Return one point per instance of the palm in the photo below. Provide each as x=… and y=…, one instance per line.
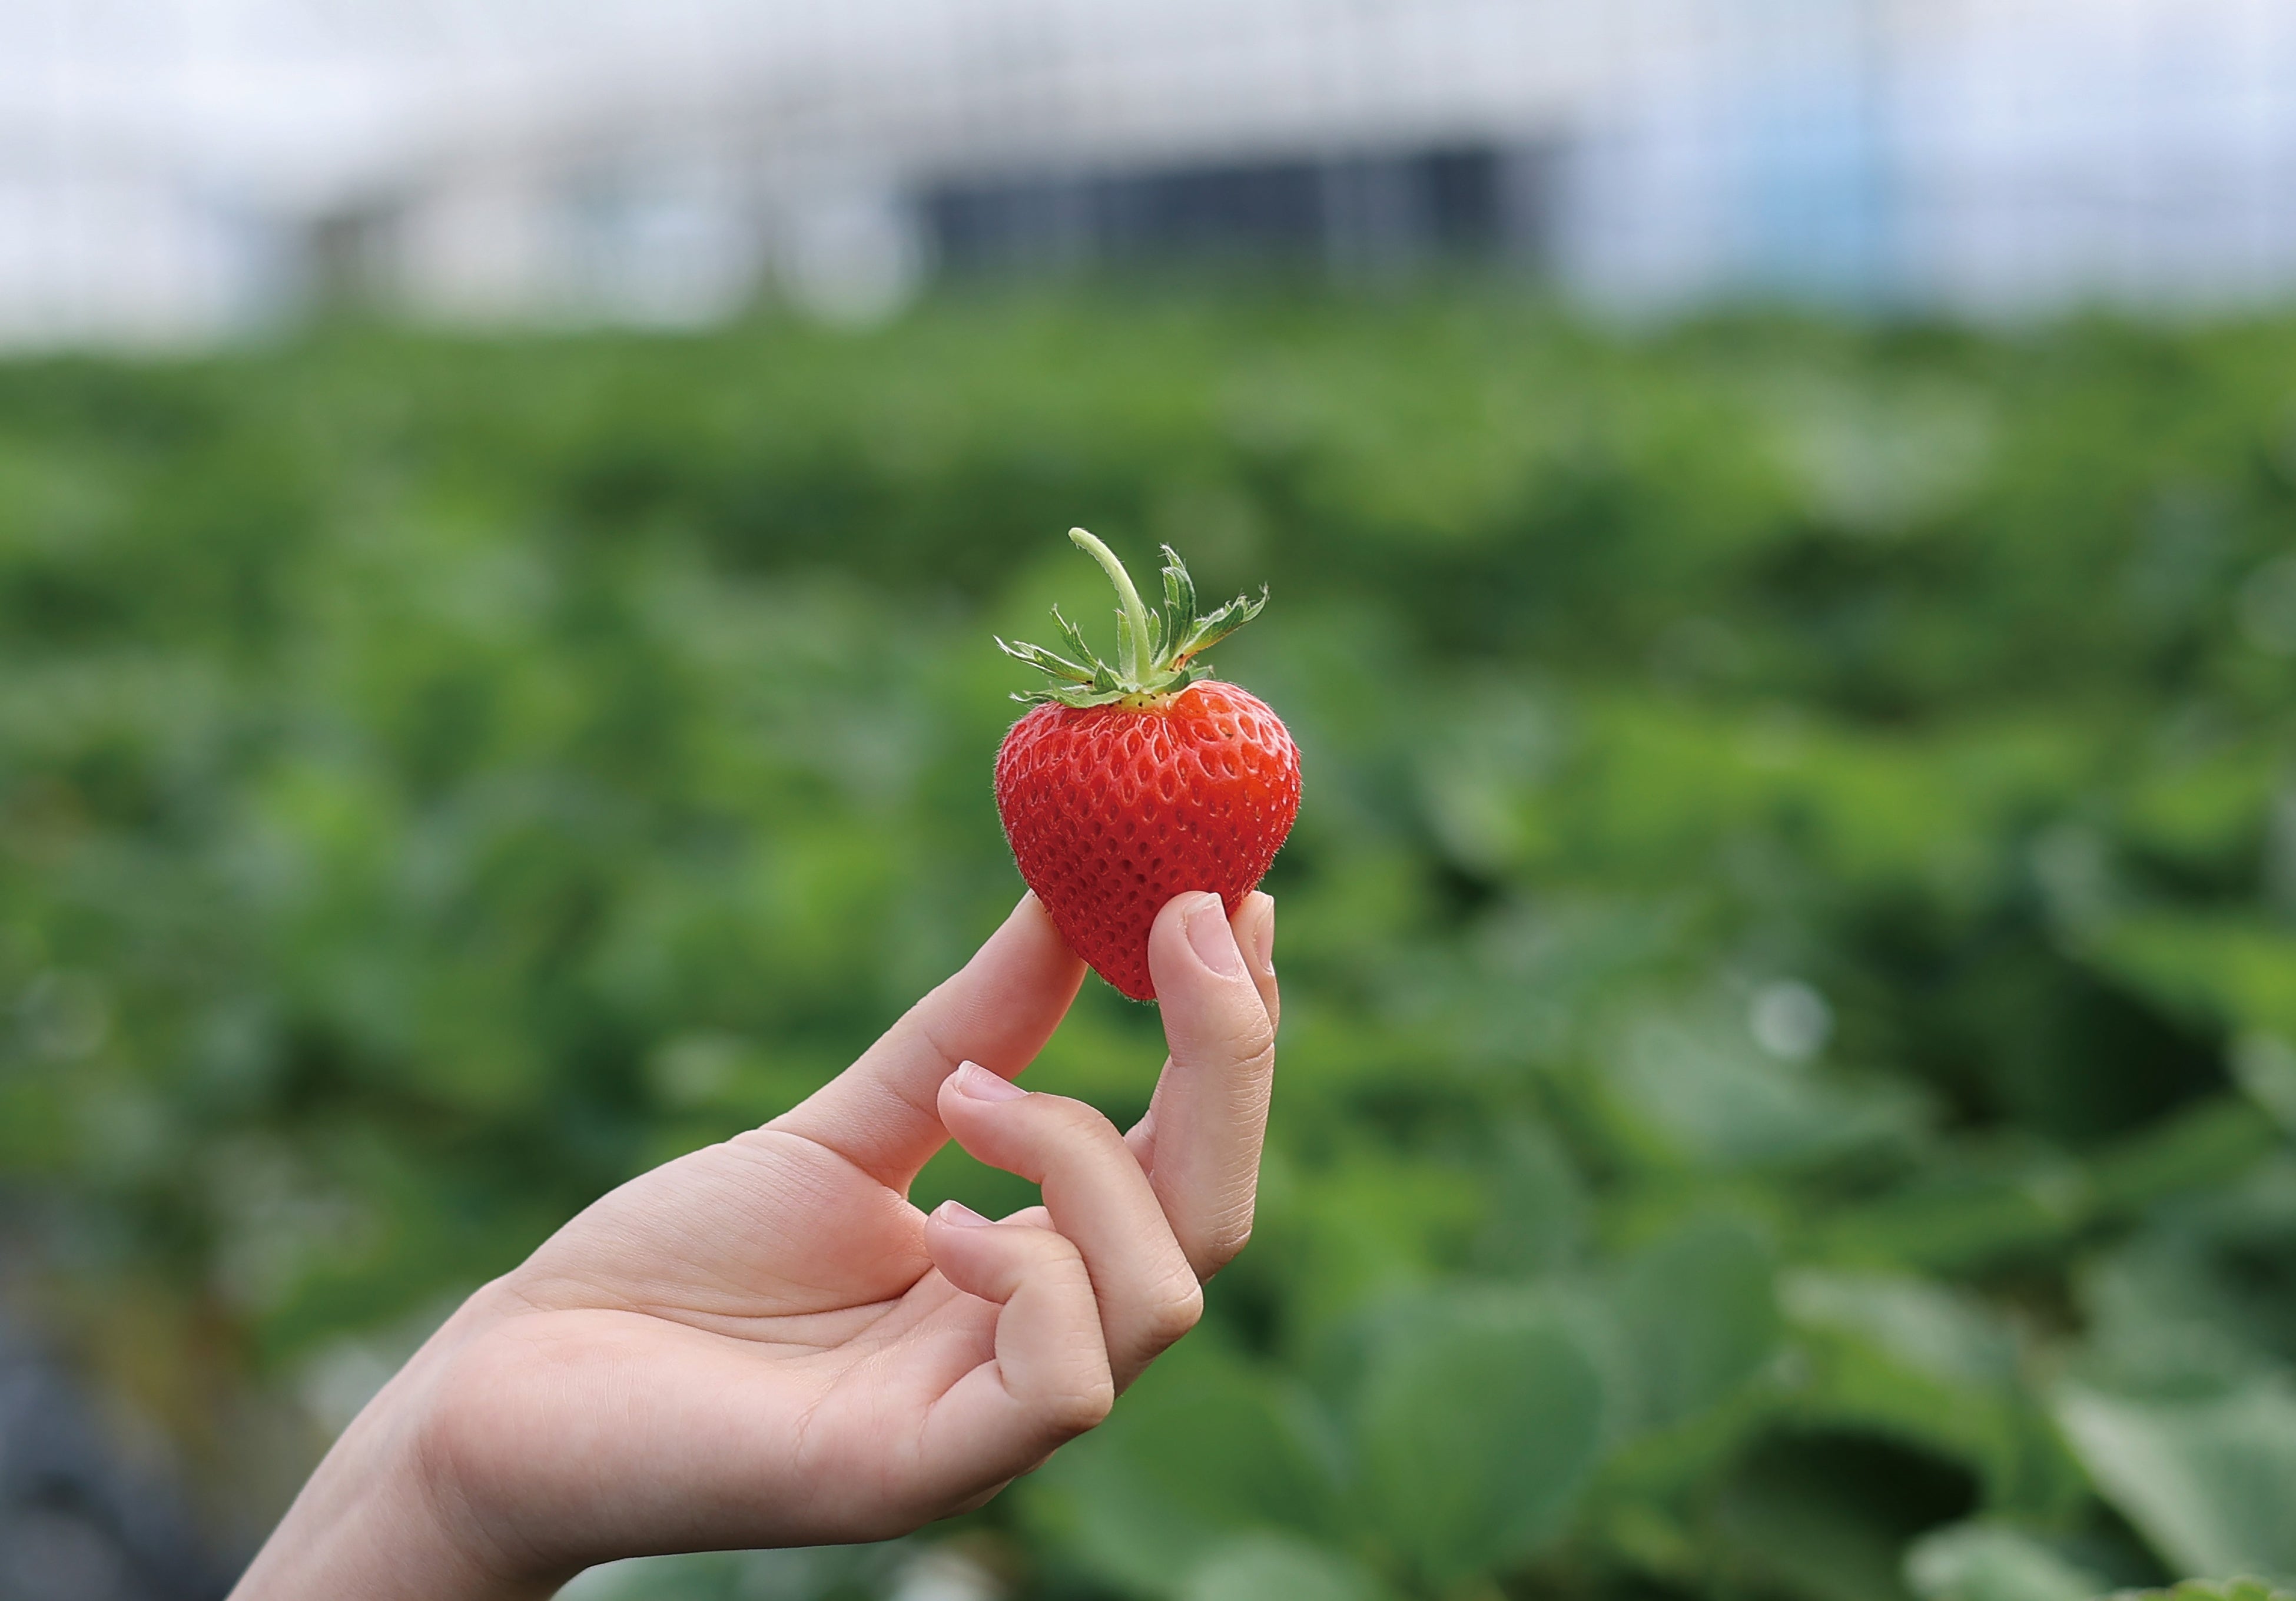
x=801, y=1311
x=766, y=1349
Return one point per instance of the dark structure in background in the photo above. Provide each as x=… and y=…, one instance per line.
x=1350, y=213
x=75, y=1523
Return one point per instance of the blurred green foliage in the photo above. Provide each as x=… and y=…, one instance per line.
x=1790, y=948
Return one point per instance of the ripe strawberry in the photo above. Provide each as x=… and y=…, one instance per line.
x=1130, y=785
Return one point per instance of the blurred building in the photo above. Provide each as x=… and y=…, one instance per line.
x=223, y=163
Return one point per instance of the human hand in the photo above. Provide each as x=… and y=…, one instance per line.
x=763, y=1342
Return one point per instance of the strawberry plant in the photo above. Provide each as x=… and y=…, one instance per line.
x=1788, y=1061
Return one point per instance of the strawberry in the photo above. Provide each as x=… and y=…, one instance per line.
x=1130, y=785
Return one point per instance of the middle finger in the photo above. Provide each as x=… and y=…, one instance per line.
x=1096, y=1196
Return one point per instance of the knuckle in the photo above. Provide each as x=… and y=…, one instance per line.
x=1038, y=1248
x=1222, y=1238
x=1253, y=1042
x=1176, y=1309
x=1083, y=1405
x=1079, y=1117
x=1027, y=1255
x=1072, y=1135
x=1227, y=1243
x=1055, y=1255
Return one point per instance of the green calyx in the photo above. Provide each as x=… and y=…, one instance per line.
x=1157, y=651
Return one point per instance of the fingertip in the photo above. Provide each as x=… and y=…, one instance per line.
x=1214, y=1015
x=1171, y=917
x=1192, y=936
x=1029, y=913
x=994, y=1121
x=1213, y=939
x=973, y=1082
x=1255, y=933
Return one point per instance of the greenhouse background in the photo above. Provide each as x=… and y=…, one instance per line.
x=1779, y=515
x=175, y=169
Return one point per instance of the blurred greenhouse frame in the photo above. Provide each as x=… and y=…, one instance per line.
x=1789, y=1047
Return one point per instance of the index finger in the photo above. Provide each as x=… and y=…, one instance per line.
x=1201, y=1139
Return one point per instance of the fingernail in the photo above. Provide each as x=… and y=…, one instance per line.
x=1215, y=941
x=1263, y=937
x=957, y=1211
x=977, y=1083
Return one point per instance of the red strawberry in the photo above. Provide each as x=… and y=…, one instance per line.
x=1130, y=785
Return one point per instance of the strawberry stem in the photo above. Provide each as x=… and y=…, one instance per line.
x=1137, y=647
x=1158, y=652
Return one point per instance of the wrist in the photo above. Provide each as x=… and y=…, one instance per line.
x=381, y=1519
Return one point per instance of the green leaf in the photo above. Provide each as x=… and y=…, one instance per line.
x=1203, y=1447
x=1692, y=1088
x=1992, y=1562
x=1991, y=1198
x=1155, y=649
x=2234, y=971
x=2199, y=1147
x=1700, y=1314
x=2198, y=1297
x=2246, y=1587
x=1535, y=1207
x=1275, y=1567
x=2209, y=1479
x=1179, y=596
x=1928, y=1365
x=1481, y=1417
x=1823, y=1517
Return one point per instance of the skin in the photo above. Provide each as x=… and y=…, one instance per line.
x=764, y=1344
